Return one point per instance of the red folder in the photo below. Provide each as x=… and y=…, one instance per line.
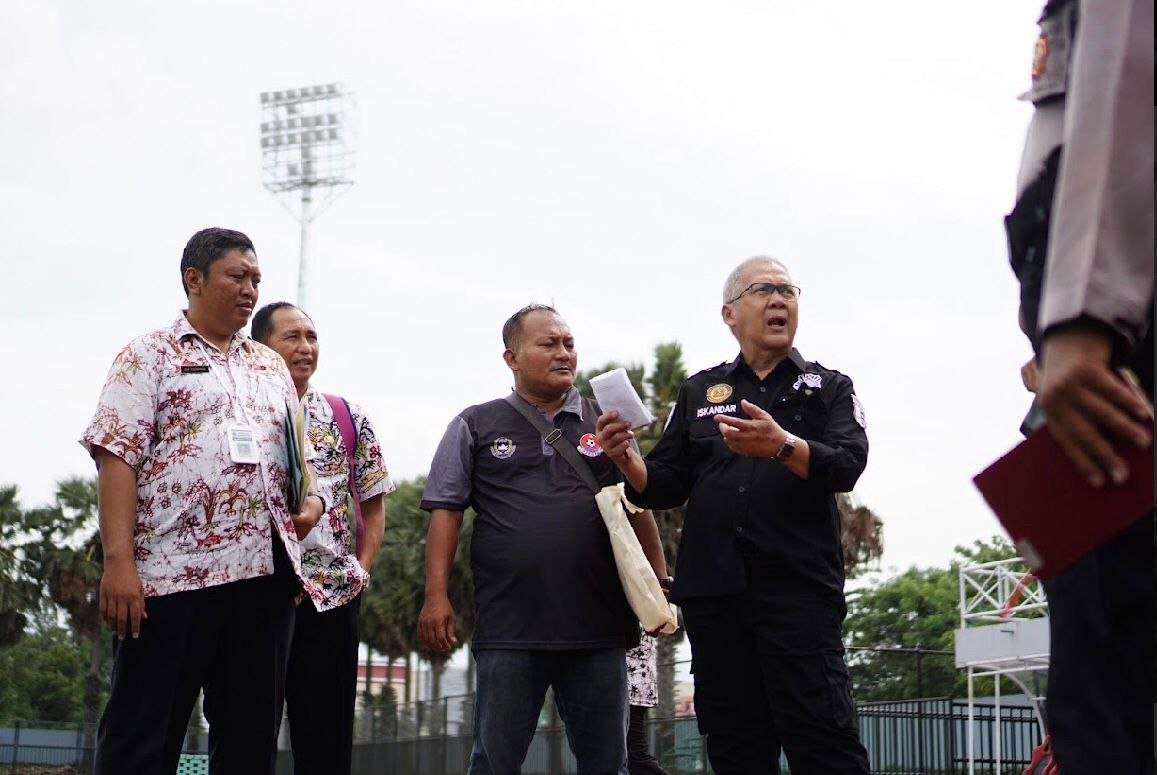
x=1051, y=513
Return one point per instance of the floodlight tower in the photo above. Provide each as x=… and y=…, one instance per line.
x=307, y=147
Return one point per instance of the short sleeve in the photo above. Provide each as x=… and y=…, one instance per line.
x=125, y=418
x=372, y=476
x=448, y=486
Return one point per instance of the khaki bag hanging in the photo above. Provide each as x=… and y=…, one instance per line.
x=636, y=575
x=635, y=572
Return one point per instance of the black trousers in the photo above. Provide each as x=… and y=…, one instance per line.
x=230, y=640
x=770, y=677
x=321, y=687
x=1100, y=691
x=640, y=761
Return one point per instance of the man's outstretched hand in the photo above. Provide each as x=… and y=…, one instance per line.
x=761, y=436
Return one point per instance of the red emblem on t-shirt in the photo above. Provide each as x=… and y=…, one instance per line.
x=589, y=445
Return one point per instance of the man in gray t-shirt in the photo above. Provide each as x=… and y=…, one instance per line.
x=550, y=610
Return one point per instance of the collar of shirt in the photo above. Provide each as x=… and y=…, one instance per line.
x=794, y=356
x=573, y=403
x=183, y=329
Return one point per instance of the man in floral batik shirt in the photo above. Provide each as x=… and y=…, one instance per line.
x=321, y=683
x=201, y=555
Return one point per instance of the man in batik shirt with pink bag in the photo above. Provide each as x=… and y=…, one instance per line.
x=321, y=683
x=201, y=552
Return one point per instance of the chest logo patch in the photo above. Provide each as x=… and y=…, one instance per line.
x=717, y=394
x=589, y=445
x=810, y=379
x=502, y=448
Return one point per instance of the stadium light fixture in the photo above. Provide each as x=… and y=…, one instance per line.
x=307, y=154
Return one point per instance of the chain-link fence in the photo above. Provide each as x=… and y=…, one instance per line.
x=922, y=736
x=62, y=748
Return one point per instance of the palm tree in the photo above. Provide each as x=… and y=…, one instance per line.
x=394, y=598
x=67, y=558
x=18, y=594
x=861, y=534
x=659, y=390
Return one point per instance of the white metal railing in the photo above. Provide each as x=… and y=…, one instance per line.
x=999, y=591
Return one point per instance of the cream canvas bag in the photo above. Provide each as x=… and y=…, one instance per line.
x=635, y=572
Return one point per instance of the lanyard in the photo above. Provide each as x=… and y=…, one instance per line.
x=236, y=405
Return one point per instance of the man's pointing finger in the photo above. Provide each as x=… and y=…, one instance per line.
x=754, y=411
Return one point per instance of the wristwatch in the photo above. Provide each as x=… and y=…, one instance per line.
x=787, y=448
x=665, y=582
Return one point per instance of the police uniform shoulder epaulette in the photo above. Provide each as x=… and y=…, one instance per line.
x=709, y=370
x=821, y=367
x=833, y=374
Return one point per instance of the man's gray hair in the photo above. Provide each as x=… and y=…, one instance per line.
x=733, y=287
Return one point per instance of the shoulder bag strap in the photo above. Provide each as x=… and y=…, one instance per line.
x=349, y=436
x=555, y=439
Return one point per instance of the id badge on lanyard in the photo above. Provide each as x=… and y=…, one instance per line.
x=242, y=445
x=241, y=435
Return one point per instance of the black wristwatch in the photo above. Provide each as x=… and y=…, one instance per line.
x=665, y=583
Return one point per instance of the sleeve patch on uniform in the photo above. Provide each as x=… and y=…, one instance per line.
x=858, y=412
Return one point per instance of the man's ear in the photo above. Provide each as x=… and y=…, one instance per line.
x=725, y=312
x=511, y=359
x=194, y=280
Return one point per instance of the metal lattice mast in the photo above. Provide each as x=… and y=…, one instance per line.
x=307, y=155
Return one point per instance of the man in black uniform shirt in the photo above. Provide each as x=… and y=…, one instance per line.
x=757, y=448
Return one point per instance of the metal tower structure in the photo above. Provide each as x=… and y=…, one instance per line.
x=1004, y=633
x=307, y=154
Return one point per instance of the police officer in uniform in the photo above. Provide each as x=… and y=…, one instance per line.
x=1081, y=245
x=757, y=448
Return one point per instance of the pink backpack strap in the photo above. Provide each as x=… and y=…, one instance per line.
x=349, y=437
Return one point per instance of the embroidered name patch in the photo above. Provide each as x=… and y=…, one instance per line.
x=502, y=448
x=707, y=411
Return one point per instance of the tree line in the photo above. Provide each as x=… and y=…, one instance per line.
x=55, y=656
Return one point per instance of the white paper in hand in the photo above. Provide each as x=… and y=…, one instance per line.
x=614, y=392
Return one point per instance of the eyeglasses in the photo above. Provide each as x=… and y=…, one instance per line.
x=765, y=290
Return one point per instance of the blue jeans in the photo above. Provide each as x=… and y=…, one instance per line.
x=590, y=690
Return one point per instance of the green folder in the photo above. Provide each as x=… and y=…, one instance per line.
x=297, y=469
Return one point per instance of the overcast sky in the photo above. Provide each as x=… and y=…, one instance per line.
x=616, y=158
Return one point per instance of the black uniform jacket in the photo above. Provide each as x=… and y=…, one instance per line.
x=751, y=514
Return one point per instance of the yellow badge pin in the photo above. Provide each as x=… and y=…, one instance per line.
x=719, y=393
